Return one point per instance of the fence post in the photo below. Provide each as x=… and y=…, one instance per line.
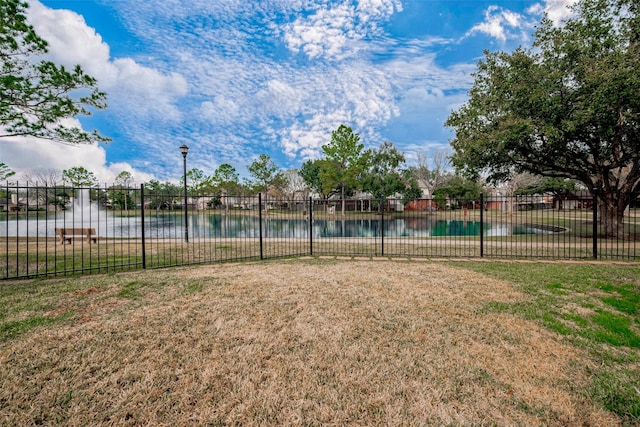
x=382, y=206
x=144, y=248
x=310, y=225
x=6, y=223
x=260, y=222
x=481, y=225
x=595, y=224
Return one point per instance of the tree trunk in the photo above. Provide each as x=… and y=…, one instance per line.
x=611, y=215
x=343, y=201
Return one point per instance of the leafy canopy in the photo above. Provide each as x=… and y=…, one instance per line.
x=266, y=174
x=345, y=160
x=568, y=108
x=386, y=177
x=124, y=179
x=5, y=172
x=78, y=176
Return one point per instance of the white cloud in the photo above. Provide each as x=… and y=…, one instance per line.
x=220, y=110
x=556, y=10
x=333, y=31
x=500, y=23
x=358, y=95
x=27, y=154
x=132, y=87
x=280, y=97
x=306, y=138
x=144, y=90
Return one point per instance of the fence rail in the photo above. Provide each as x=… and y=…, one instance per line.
x=135, y=229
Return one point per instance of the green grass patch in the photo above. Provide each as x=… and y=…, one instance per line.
x=615, y=330
x=15, y=328
x=624, y=298
x=192, y=288
x=131, y=290
x=555, y=288
x=618, y=392
x=595, y=307
x=579, y=321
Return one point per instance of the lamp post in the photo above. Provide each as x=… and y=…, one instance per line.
x=184, y=150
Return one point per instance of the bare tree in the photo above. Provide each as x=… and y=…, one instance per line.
x=429, y=177
x=517, y=182
x=43, y=177
x=295, y=187
x=44, y=182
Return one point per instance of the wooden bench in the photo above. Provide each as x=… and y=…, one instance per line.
x=67, y=234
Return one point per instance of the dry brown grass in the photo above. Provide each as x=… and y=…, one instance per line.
x=306, y=342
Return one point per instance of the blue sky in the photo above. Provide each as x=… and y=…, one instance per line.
x=233, y=78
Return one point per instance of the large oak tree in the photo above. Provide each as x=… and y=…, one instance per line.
x=567, y=108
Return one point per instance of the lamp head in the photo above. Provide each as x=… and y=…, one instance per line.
x=184, y=150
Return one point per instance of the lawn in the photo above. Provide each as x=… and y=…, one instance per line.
x=319, y=341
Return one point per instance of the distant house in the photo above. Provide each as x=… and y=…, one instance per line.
x=12, y=204
x=495, y=200
x=576, y=200
x=4, y=204
x=424, y=205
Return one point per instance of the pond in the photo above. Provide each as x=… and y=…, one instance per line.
x=247, y=226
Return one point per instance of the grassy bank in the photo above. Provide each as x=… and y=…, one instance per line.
x=324, y=341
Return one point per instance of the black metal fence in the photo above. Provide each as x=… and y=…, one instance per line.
x=58, y=230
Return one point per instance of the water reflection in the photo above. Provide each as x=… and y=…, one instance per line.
x=248, y=226
x=225, y=226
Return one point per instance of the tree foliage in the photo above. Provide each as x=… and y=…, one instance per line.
x=345, y=160
x=266, y=174
x=196, y=181
x=35, y=94
x=78, y=176
x=347, y=167
x=124, y=179
x=5, y=172
x=224, y=181
x=556, y=186
x=568, y=108
x=162, y=195
x=386, y=177
x=119, y=194
x=459, y=190
x=310, y=173
x=226, y=178
x=121, y=200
